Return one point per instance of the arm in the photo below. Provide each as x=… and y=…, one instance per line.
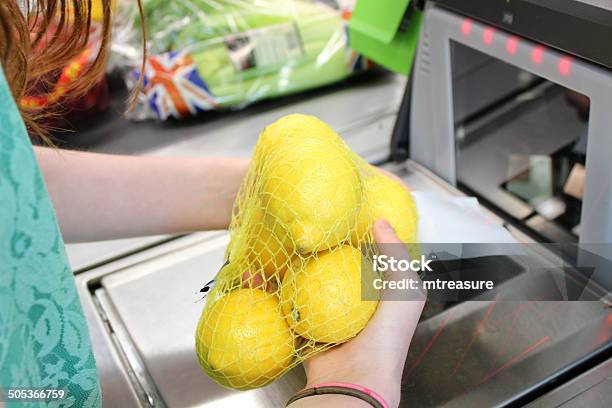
x=98, y=197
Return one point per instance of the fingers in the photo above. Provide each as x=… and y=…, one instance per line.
x=387, y=241
x=252, y=280
x=389, y=245
x=384, y=232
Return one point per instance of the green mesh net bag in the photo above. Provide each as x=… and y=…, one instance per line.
x=300, y=250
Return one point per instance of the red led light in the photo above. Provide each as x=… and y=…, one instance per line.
x=537, y=55
x=487, y=35
x=565, y=66
x=512, y=45
x=466, y=27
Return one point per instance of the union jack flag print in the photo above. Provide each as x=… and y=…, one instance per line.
x=174, y=87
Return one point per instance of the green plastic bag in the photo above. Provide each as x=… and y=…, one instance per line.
x=215, y=54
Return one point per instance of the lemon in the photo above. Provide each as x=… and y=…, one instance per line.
x=292, y=127
x=322, y=299
x=387, y=198
x=309, y=182
x=270, y=250
x=262, y=245
x=243, y=341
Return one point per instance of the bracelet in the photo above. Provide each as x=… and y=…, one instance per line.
x=352, y=390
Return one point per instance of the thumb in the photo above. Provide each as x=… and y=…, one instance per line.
x=393, y=248
x=387, y=241
x=384, y=232
x=394, y=321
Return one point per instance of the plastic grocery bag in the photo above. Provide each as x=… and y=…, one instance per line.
x=214, y=54
x=295, y=280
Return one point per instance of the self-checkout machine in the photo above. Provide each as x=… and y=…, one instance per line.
x=510, y=101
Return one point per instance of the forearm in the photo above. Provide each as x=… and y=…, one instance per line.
x=99, y=197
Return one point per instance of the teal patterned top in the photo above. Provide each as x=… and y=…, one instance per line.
x=44, y=341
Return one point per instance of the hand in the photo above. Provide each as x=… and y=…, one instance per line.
x=375, y=357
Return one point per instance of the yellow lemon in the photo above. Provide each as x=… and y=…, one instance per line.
x=243, y=341
x=387, y=198
x=310, y=183
x=292, y=127
x=270, y=250
x=322, y=299
x=262, y=245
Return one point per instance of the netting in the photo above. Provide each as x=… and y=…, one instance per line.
x=300, y=248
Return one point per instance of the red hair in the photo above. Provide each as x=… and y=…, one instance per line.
x=39, y=37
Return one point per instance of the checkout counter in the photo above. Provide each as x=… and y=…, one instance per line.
x=479, y=118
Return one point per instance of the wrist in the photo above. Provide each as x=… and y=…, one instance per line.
x=329, y=401
x=388, y=388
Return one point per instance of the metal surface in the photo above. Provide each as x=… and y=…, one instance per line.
x=345, y=106
x=591, y=389
x=117, y=381
x=432, y=136
x=91, y=254
x=491, y=353
x=364, y=116
x=605, y=4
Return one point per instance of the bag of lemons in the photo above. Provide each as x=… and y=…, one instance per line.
x=300, y=248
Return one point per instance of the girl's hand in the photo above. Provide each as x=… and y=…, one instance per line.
x=375, y=358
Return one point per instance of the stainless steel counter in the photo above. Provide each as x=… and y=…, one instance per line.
x=591, y=389
x=363, y=115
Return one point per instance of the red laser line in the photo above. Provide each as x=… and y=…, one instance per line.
x=514, y=360
x=485, y=316
x=431, y=342
x=515, y=317
x=604, y=333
